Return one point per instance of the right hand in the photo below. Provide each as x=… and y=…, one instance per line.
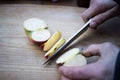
x=100, y=11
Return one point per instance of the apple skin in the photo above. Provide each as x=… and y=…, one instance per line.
x=52, y=41
x=28, y=33
x=38, y=43
x=70, y=58
x=55, y=48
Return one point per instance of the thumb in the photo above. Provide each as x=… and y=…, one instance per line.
x=83, y=72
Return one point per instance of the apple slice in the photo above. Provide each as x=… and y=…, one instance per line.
x=39, y=37
x=67, y=56
x=55, y=47
x=78, y=60
x=52, y=41
x=33, y=24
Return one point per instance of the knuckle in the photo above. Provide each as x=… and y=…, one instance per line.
x=84, y=16
x=102, y=17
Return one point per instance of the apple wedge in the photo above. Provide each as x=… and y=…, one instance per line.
x=39, y=37
x=67, y=56
x=55, y=47
x=33, y=24
x=78, y=60
x=52, y=41
x=72, y=58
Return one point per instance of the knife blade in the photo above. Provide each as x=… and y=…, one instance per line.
x=70, y=40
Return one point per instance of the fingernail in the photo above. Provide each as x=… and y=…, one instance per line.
x=93, y=25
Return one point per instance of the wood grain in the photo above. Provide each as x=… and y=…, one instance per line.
x=22, y=60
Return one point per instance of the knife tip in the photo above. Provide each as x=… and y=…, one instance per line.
x=44, y=62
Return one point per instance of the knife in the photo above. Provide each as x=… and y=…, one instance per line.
x=70, y=40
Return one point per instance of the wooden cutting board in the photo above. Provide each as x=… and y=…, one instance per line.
x=22, y=60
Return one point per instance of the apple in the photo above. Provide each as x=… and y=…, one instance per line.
x=67, y=55
x=71, y=58
x=55, y=48
x=33, y=24
x=78, y=60
x=52, y=41
x=40, y=37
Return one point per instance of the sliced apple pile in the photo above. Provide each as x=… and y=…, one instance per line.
x=72, y=58
x=37, y=32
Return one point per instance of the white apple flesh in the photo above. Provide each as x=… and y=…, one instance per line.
x=39, y=37
x=33, y=24
x=78, y=60
x=72, y=58
x=67, y=56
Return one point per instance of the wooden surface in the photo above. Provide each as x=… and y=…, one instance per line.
x=21, y=60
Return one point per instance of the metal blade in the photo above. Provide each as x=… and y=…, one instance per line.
x=70, y=40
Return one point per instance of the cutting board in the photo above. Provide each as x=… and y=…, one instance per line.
x=22, y=60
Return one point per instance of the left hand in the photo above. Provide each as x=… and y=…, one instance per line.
x=103, y=69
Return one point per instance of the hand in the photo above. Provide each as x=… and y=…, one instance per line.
x=103, y=69
x=100, y=11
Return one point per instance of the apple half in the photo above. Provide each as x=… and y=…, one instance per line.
x=40, y=37
x=52, y=41
x=72, y=58
x=33, y=24
x=78, y=60
x=55, y=48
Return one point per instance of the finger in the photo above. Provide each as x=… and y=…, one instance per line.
x=78, y=73
x=92, y=50
x=99, y=19
x=87, y=14
x=94, y=9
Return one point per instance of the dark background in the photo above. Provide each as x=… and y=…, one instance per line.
x=81, y=3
